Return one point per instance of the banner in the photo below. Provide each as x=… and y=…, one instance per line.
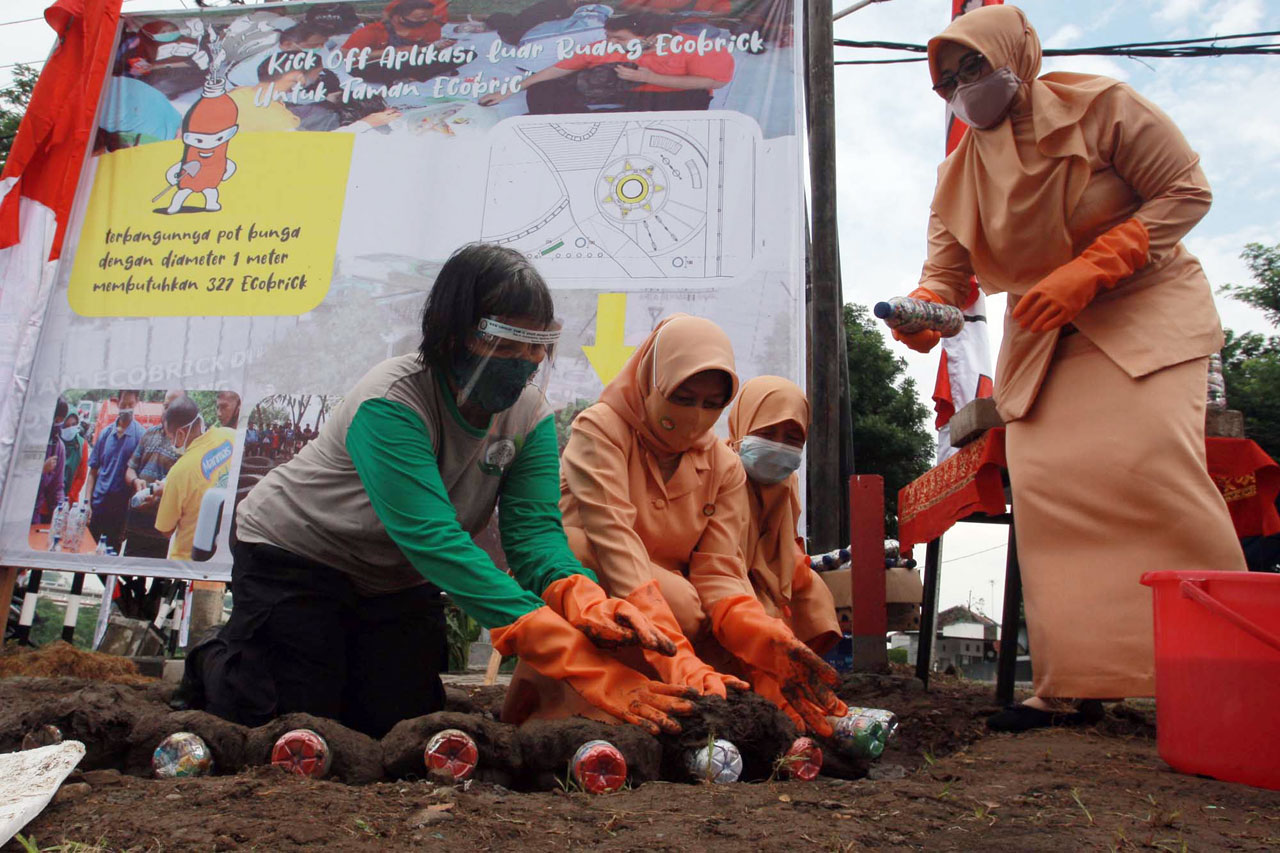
x=964, y=371
x=273, y=189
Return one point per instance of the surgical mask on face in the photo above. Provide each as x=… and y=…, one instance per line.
x=166, y=37
x=983, y=103
x=493, y=384
x=766, y=461
x=69, y=433
x=678, y=427
x=123, y=416
x=186, y=442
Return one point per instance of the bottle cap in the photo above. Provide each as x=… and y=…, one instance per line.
x=182, y=754
x=719, y=762
x=803, y=760
x=452, y=750
x=303, y=752
x=599, y=767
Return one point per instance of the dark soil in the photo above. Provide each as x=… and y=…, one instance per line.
x=944, y=784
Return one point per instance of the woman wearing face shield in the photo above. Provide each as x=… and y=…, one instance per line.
x=1071, y=193
x=655, y=504
x=343, y=551
x=768, y=427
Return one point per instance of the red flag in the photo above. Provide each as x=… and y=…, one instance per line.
x=54, y=136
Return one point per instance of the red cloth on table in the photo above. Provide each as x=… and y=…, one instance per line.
x=1249, y=480
x=972, y=481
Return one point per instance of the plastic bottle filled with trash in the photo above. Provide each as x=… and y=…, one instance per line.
x=719, y=762
x=58, y=526
x=887, y=719
x=858, y=737
x=909, y=315
x=831, y=560
x=1217, y=392
x=77, y=522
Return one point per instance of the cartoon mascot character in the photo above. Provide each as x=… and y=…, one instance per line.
x=206, y=131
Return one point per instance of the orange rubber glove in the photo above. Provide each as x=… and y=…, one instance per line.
x=610, y=623
x=767, y=646
x=798, y=709
x=925, y=339
x=684, y=667
x=1062, y=294
x=548, y=643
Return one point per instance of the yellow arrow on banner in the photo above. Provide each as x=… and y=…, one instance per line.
x=609, y=353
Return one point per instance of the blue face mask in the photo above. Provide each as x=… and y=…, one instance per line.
x=768, y=462
x=164, y=38
x=493, y=384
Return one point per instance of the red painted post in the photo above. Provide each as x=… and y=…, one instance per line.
x=866, y=528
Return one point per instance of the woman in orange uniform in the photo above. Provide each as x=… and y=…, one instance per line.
x=768, y=427
x=656, y=505
x=1071, y=193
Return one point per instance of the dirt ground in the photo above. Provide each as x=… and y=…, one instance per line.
x=944, y=784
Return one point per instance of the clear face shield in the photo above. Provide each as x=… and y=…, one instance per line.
x=505, y=355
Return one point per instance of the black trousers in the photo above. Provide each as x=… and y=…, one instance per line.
x=301, y=639
x=562, y=96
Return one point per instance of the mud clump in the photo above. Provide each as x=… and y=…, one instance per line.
x=59, y=659
x=99, y=715
x=500, y=761
x=227, y=741
x=547, y=748
x=357, y=758
x=753, y=724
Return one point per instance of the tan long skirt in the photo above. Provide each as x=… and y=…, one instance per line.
x=1109, y=481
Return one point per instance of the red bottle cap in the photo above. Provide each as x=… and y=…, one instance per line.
x=803, y=760
x=599, y=767
x=452, y=750
x=303, y=752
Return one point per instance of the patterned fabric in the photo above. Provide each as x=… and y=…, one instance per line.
x=1249, y=480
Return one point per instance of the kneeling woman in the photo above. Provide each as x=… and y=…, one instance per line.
x=656, y=504
x=343, y=552
x=768, y=427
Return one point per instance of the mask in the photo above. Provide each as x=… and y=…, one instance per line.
x=493, y=384
x=69, y=433
x=766, y=461
x=123, y=416
x=182, y=448
x=678, y=427
x=164, y=38
x=983, y=103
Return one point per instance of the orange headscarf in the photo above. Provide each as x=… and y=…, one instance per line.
x=679, y=347
x=769, y=545
x=1007, y=192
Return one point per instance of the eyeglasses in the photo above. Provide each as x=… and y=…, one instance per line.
x=969, y=70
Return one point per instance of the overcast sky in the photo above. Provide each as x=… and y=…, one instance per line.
x=889, y=127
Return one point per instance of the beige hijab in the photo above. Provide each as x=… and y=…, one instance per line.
x=1007, y=193
x=679, y=347
x=769, y=538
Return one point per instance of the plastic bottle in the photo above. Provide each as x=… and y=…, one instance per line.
x=858, y=737
x=140, y=496
x=101, y=550
x=303, y=752
x=454, y=751
x=718, y=762
x=1217, y=391
x=887, y=719
x=909, y=315
x=57, y=526
x=182, y=754
x=803, y=760
x=78, y=520
x=599, y=767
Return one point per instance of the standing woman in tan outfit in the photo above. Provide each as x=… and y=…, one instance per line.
x=1071, y=193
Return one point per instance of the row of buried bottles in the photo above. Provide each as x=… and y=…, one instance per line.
x=598, y=767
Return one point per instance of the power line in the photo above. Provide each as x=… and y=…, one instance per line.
x=974, y=553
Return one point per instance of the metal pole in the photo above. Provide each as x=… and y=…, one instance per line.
x=1010, y=625
x=830, y=457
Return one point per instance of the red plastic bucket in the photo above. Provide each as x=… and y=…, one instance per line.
x=1217, y=644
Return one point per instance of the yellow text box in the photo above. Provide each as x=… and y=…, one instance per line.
x=268, y=250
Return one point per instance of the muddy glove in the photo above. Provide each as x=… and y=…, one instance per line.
x=684, y=667
x=925, y=339
x=610, y=623
x=767, y=645
x=556, y=649
x=1062, y=294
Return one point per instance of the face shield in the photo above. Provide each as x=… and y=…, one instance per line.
x=501, y=359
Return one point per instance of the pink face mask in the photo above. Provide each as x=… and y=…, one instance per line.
x=984, y=103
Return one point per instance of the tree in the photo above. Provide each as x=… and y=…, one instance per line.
x=891, y=436
x=13, y=105
x=1251, y=361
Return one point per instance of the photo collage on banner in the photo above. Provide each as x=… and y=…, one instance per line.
x=272, y=190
